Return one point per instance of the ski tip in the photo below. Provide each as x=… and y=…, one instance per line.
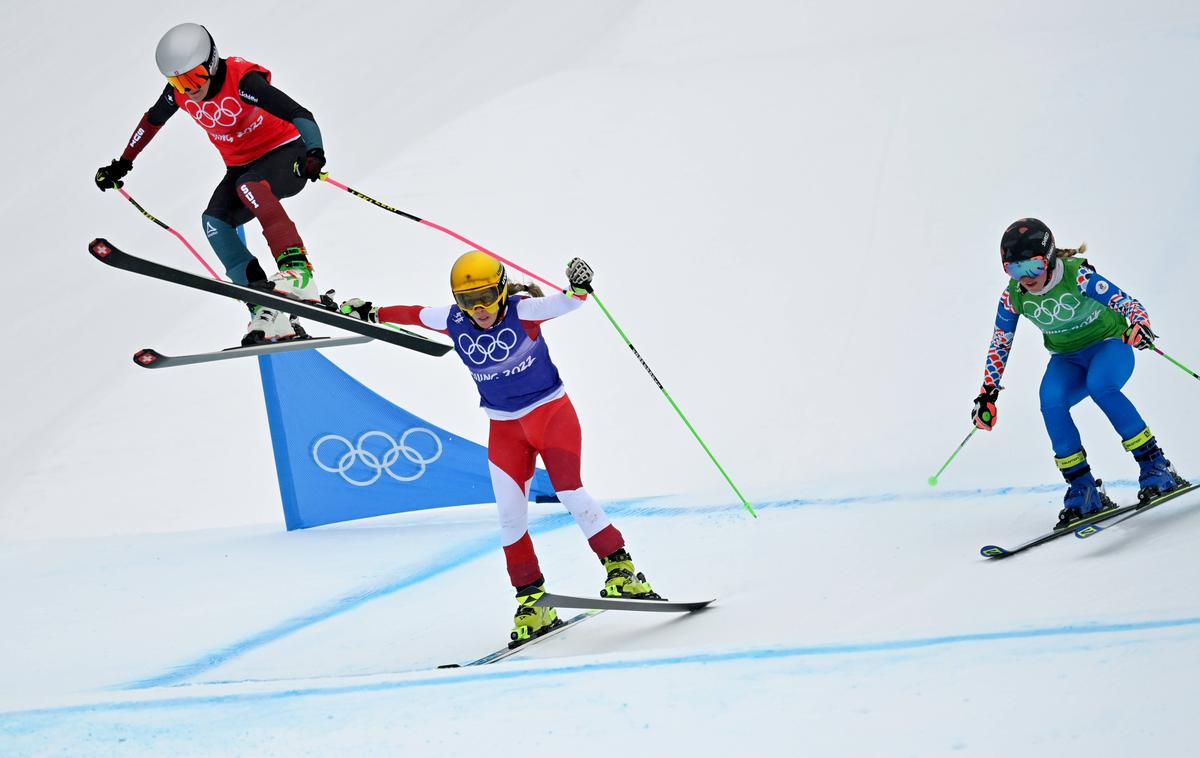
x=992, y=551
x=100, y=248
x=147, y=357
x=450, y=666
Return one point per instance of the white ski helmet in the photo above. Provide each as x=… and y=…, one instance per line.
x=187, y=56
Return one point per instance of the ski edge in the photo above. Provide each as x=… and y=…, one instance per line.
x=1089, y=530
x=996, y=552
x=507, y=651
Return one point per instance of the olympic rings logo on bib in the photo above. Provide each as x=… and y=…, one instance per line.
x=1048, y=310
x=378, y=463
x=212, y=114
x=487, y=347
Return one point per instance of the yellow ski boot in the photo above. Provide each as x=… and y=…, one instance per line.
x=531, y=620
x=624, y=580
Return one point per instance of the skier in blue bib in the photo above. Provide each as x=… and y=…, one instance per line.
x=496, y=328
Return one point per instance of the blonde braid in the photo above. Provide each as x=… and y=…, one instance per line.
x=532, y=289
x=1071, y=252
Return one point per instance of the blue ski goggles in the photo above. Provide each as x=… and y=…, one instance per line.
x=1026, y=268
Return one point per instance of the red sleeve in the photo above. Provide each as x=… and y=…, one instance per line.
x=141, y=137
x=406, y=315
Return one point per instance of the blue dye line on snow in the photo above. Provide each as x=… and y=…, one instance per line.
x=463, y=554
x=475, y=549
x=18, y=719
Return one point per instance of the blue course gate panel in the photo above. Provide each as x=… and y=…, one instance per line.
x=343, y=452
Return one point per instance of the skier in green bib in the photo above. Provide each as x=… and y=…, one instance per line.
x=1090, y=326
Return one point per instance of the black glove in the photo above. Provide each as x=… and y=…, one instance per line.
x=1139, y=335
x=110, y=176
x=984, y=412
x=360, y=309
x=310, y=167
x=580, y=275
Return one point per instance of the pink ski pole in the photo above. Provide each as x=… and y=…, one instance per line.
x=179, y=236
x=442, y=229
x=505, y=261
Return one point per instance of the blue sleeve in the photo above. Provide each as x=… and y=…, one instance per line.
x=309, y=132
x=1095, y=286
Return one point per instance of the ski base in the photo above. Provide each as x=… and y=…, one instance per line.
x=1128, y=512
x=507, y=651
x=107, y=253
x=151, y=358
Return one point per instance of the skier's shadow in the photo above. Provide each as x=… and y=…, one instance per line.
x=1144, y=526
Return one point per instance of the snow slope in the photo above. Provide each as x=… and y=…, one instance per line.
x=792, y=209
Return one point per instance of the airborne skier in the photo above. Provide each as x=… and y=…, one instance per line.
x=1090, y=326
x=497, y=334
x=270, y=145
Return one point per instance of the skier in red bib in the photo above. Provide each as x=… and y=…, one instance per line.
x=270, y=144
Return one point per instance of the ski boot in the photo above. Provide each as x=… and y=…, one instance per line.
x=1157, y=476
x=1085, y=493
x=531, y=620
x=295, y=277
x=268, y=325
x=624, y=580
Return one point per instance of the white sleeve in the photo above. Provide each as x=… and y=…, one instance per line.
x=548, y=307
x=436, y=318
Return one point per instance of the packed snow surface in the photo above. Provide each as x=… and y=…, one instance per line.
x=793, y=210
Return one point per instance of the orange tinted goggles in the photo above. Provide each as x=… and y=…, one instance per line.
x=190, y=81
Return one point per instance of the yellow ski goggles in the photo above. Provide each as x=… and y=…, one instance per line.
x=487, y=298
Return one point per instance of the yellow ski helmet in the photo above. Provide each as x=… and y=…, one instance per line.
x=477, y=279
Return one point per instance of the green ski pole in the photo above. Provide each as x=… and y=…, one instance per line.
x=1177, y=363
x=933, y=480
x=671, y=400
x=411, y=217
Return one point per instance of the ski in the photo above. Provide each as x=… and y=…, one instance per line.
x=151, y=358
x=1129, y=511
x=996, y=552
x=620, y=604
x=507, y=651
x=592, y=607
x=105, y=252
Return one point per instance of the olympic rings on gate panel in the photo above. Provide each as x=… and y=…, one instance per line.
x=357, y=453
